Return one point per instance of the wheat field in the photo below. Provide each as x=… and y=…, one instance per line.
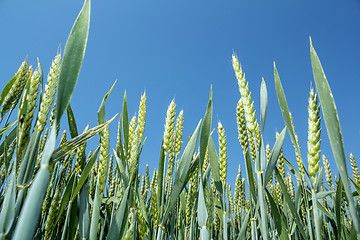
x=68, y=191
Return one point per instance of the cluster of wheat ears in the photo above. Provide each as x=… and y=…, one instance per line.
x=66, y=192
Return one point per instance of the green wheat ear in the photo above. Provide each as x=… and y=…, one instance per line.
x=327, y=172
x=241, y=126
x=355, y=170
x=222, y=153
x=169, y=128
x=104, y=158
x=290, y=186
x=16, y=89
x=132, y=129
x=24, y=127
x=142, y=116
x=314, y=131
x=49, y=94
x=153, y=210
x=179, y=132
x=253, y=129
x=281, y=161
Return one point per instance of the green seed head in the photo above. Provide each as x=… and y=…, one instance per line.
x=252, y=126
x=142, y=188
x=52, y=213
x=80, y=156
x=13, y=96
x=111, y=169
x=281, y=162
x=112, y=186
x=104, y=157
x=222, y=153
x=327, y=172
x=230, y=198
x=49, y=94
x=206, y=161
x=153, y=199
x=290, y=186
x=142, y=116
x=132, y=129
x=147, y=177
x=190, y=199
x=134, y=151
x=314, y=131
x=32, y=96
x=241, y=126
x=237, y=187
x=179, y=132
x=355, y=169
x=169, y=128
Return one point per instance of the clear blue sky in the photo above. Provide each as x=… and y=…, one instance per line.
x=177, y=49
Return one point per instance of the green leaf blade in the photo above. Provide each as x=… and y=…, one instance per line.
x=73, y=56
x=205, y=130
x=331, y=119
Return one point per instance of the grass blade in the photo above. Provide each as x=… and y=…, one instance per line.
x=286, y=116
x=7, y=213
x=9, y=139
x=73, y=56
x=214, y=164
x=284, y=107
x=122, y=170
x=72, y=123
x=119, y=220
x=161, y=180
x=101, y=111
x=205, y=130
x=332, y=123
x=274, y=156
x=29, y=160
x=202, y=213
x=290, y=204
x=70, y=145
x=281, y=227
x=244, y=226
x=125, y=125
x=338, y=199
x=250, y=175
x=182, y=172
x=4, y=129
x=31, y=210
x=84, y=213
x=263, y=104
x=66, y=196
x=85, y=173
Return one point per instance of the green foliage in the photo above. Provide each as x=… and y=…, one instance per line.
x=189, y=196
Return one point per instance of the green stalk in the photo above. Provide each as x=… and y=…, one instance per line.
x=260, y=156
x=95, y=215
x=316, y=215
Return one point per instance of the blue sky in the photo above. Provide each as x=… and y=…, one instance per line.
x=177, y=49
